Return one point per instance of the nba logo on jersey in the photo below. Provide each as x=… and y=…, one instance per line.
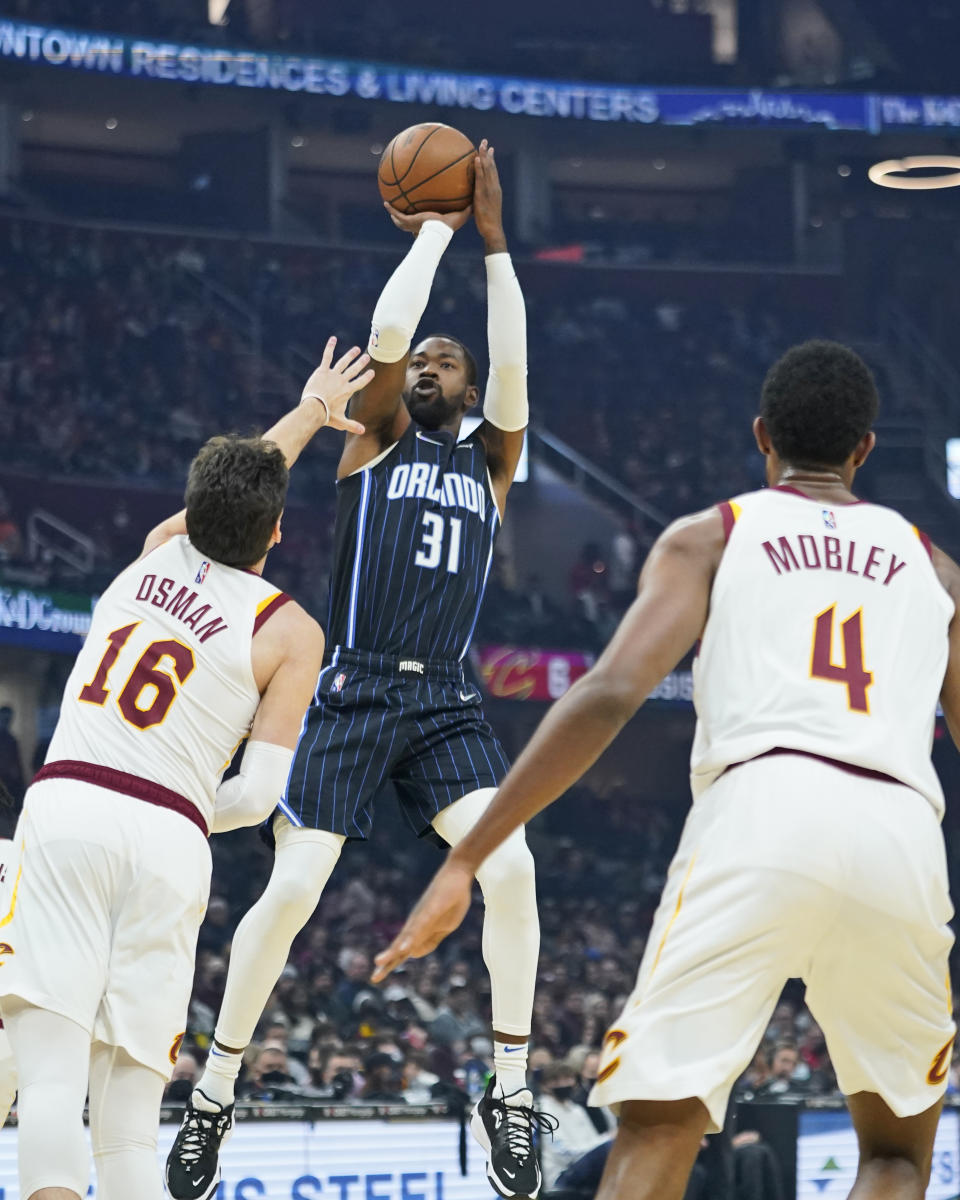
x=338, y=683
x=828, y=519
x=202, y=573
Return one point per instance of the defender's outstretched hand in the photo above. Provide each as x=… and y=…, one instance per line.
x=488, y=200
x=439, y=911
x=333, y=385
x=414, y=222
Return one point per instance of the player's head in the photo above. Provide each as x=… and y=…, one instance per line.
x=817, y=409
x=784, y=1059
x=235, y=495
x=441, y=382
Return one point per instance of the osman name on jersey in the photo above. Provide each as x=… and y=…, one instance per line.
x=180, y=604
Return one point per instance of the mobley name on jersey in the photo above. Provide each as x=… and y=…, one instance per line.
x=826, y=553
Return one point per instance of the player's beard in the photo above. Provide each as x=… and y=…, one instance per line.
x=434, y=410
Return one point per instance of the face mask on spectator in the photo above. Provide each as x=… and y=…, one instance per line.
x=563, y=1093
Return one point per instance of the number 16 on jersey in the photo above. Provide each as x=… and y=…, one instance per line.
x=148, y=680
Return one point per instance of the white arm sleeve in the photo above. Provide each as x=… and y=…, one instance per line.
x=251, y=796
x=405, y=296
x=505, y=401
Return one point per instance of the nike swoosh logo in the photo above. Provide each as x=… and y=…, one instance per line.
x=465, y=696
x=509, y=1174
x=423, y=438
x=512, y=1049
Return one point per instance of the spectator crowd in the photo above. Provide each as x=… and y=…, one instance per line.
x=119, y=355
x=115, y=364
x=327, y=1032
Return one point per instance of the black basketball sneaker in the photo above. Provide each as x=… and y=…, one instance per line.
x=506, y=1131
x=193, y=1164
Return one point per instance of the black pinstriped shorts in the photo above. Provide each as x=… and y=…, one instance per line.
x=379, y=720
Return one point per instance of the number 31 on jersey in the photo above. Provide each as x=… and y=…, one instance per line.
x=431, y=549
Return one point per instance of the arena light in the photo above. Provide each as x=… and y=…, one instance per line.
x=217, y=10
x=893, y=173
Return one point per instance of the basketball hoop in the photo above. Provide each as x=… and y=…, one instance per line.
x=888, y=174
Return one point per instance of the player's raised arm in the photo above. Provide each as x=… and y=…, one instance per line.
x=287, y=656
x=949, y=574
x=657, y=631
x=395, y=319
x=506, y=410
x=323, y=402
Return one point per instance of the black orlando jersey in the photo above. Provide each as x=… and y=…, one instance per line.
x=414, y=539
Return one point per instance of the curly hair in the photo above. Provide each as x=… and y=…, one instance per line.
x=235, y=494
x=818, y=401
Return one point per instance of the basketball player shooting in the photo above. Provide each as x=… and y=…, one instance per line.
x=828, y=627
x=190, y=650
x=417, y=515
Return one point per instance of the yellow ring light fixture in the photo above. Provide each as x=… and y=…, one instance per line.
x=888, y=174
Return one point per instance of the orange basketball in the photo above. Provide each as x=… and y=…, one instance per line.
x=428, y=168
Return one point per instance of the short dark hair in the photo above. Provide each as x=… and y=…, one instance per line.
x=235, y=494
x=470, y=363
x=817, y=403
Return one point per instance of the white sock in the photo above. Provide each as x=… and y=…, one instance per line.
x=510, y=1066
x=219, y=1078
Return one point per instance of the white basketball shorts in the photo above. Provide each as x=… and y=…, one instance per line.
x=8, y=1068
x=104, y=915
x=789, y=867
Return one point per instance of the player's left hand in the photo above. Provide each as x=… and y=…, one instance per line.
x=439, y=911
x=413, y=222
x=488, y=199
x=333, y=383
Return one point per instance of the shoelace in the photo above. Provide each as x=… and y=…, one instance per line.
x=519, y=1122
x=197, y=1126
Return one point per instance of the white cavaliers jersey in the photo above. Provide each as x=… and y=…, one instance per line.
x=828, y=634
x=163, y=688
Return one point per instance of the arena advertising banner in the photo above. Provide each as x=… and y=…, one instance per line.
x=515, y=673
x=178, y=62
x=827, y=1156
x=44, y=620
x=326, y=1160
x=518, y=673
x=917, y=112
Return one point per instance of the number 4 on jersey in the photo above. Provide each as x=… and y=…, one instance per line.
x=850, y=671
